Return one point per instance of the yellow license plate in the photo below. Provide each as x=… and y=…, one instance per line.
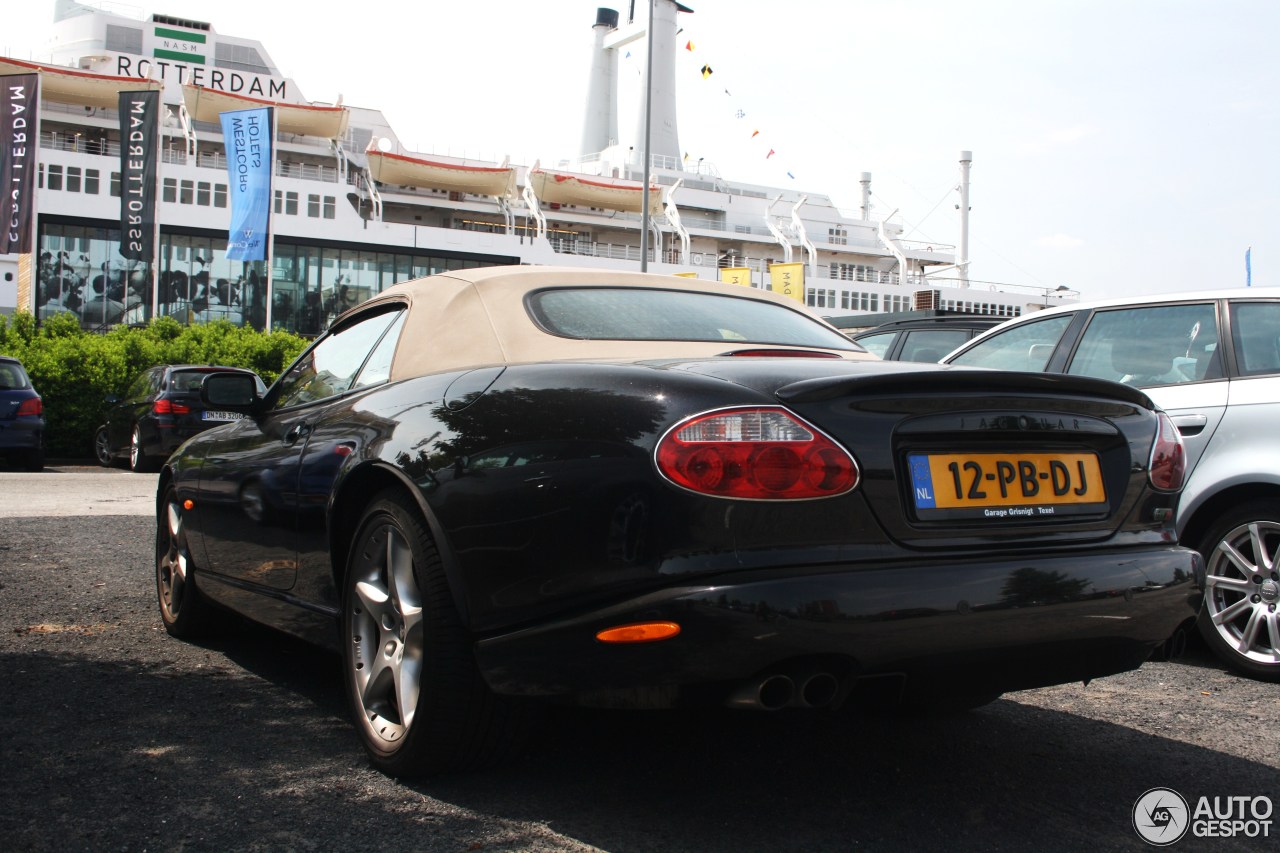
x=1007, y=485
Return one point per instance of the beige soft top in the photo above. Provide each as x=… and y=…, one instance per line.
x=477, y=317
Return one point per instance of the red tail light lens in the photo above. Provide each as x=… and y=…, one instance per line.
x=755, y=454
x=1168, y=457
x=168, y=407
x=32, y=407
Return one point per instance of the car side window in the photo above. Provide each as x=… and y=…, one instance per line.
x=1151, y=345
x=1026, y=347
x=330, y=367
x=142, y=386
x=378, y=368
x=1255, y=331
x=931, y=344
x=877, y=344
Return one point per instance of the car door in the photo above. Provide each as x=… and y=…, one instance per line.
x=125, y=412
x=1253, y=409
x=1172, y=351
x=251, y=501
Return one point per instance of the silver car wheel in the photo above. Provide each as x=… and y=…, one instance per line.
x=172, y=563
x=1242, y=591
x=135, y=449
x=386, y=622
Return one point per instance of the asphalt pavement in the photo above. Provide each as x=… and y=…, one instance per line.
x=114, y=736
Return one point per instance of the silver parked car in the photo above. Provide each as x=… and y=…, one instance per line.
x=1211, y=360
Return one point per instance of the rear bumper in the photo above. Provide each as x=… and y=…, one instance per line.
x=990, y=626
x=21, y=434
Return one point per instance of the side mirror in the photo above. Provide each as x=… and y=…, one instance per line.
x=232, y=392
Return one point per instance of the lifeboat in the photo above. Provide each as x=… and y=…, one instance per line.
x=404, y=170
x=552, y=187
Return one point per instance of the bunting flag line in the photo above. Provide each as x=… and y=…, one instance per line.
x=737, y=109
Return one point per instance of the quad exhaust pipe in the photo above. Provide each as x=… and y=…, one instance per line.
x=774, y=691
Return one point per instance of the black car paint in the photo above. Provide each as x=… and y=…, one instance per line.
x=585, y=529
x=161, y=434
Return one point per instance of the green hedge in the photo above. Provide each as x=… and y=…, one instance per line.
x=74, y=370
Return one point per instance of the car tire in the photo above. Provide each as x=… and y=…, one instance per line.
x=102, y=447
x=1240, y=615
x=419, y=702
x=139, y=462
x=184, y=612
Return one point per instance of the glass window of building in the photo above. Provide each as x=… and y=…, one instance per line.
x=330, y=209
x=219, y=195
x=91, y=181
x=54, y=178
x=313, y=206
x=202, y=193
x=115, y=184
x=187, y=194
x=169, y=192
x=73, y=179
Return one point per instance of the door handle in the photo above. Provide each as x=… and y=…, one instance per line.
x=295, y=432
x=1190, y=424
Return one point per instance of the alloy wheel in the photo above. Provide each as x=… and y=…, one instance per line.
x=1242, y=591
x=386, y=633
x=173, y=562
x=135, y=450
x=102, y=447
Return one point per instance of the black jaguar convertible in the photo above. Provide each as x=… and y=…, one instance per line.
x=497, y=486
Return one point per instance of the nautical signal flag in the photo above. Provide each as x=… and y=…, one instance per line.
x=706, y=71
x=770, y=154
x=688, y=45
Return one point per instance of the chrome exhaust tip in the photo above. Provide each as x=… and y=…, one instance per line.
x=769, y=693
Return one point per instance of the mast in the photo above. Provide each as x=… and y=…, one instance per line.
x=962, y=261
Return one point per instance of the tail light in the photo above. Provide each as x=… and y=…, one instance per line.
x=1168, y=457
x=32, y=407
x=168, y=407
x=755, y=454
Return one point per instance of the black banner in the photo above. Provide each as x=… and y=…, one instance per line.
x=21, y=103
x=139, y=122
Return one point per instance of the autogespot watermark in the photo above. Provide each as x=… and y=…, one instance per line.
x=1162, y=817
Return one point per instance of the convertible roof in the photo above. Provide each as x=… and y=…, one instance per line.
x=477, y=317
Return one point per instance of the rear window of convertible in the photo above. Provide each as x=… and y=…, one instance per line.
x=639, y=314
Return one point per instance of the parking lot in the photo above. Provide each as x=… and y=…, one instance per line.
x=118, y=737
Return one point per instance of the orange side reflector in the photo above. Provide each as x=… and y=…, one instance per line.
x=642, y=632
x=188, y=503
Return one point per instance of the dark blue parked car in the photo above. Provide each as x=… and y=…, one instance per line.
x=21, y=417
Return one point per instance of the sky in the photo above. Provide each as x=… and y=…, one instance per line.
x=1120, y=147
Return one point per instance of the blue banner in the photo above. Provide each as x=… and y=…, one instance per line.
x=1248, y=267
x=246, y=134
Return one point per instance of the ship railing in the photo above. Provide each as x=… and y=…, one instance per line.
x=80, y=143
x=308, y=171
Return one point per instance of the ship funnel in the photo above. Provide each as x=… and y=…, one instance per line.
x=600, y=120
x=664, y=139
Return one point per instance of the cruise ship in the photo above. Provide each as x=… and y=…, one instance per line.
x=355, y=211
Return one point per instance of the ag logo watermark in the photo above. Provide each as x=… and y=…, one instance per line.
x=1162, y=817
